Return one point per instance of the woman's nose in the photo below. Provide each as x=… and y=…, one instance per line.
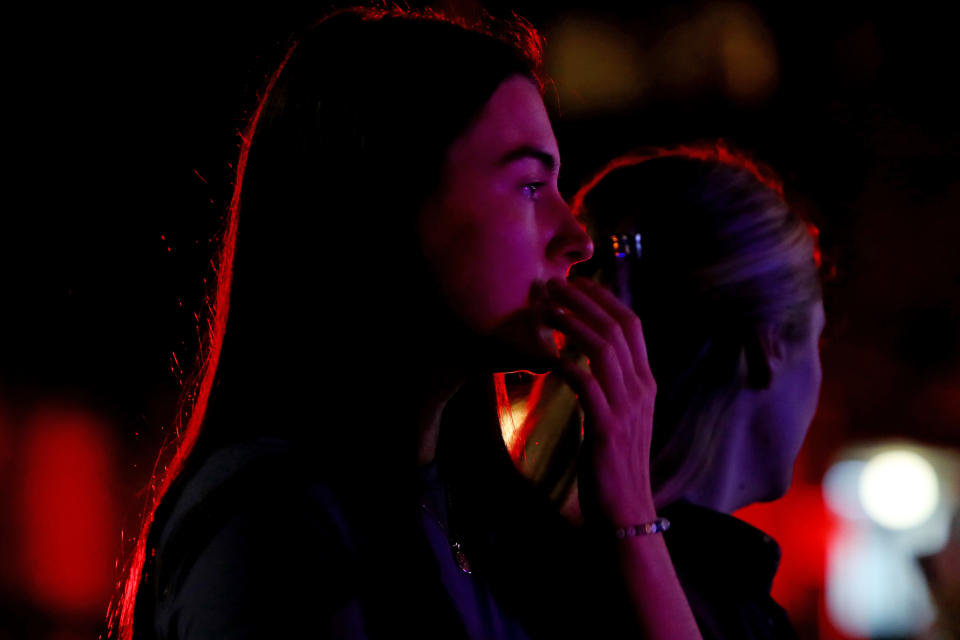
x=570, y=243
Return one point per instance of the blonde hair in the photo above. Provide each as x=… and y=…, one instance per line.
x=722, y=254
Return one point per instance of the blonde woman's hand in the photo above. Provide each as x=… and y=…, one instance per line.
x=617, y=396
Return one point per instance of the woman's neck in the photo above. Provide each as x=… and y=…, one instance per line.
x=438, y=388
x=726, y=484
x=429, y=432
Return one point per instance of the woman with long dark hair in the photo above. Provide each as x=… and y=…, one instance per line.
x=723, y=273
x=395, y=237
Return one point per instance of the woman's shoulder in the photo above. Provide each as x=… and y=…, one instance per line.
x=256, y=479
x=251, y=531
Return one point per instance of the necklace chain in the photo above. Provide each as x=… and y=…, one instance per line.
x=456, y=548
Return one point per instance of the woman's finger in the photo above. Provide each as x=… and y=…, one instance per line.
x=604, y=361
x=591, y=395
x=601, y=322
x=630, y=325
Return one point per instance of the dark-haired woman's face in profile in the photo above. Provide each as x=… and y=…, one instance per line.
x=497, y=226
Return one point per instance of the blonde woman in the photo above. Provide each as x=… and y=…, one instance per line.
x=723, y=275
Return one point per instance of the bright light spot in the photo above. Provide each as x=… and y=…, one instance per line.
x=874, y=587
x=899, y=489
x=841, y=489
x=511, y=420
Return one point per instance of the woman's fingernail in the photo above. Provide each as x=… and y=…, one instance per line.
x=553, y=311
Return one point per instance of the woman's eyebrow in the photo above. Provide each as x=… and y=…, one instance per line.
x=547, y=159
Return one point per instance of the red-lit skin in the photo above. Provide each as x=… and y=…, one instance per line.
x=495, y=231
x=495, y=234
x=498, y=227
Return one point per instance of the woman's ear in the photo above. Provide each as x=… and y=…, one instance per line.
x=765, y=350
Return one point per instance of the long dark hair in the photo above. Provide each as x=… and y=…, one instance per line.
x=321, y=299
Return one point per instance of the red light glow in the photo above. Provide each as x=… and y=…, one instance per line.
x=803, y=566
x=66, y=511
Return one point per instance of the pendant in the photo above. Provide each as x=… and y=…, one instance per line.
x=461, y=558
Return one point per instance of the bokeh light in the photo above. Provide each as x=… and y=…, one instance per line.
x=899, y=489
x=841, y=489
x=596, y=65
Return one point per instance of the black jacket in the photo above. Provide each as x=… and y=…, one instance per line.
x=726, y=568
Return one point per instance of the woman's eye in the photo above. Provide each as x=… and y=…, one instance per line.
x=531, y=188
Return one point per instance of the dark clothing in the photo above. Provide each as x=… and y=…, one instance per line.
x=726, y=568
x=245, y=549
x=472, y=596
x=250, y=545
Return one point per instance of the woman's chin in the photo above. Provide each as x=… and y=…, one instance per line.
x=523, y=344
x=778, y=487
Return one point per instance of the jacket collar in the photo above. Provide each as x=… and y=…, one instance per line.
x=720, y=547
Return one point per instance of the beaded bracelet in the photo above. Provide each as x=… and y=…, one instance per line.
x=657, y=526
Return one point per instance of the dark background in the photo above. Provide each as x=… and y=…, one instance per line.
x=122, y=130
